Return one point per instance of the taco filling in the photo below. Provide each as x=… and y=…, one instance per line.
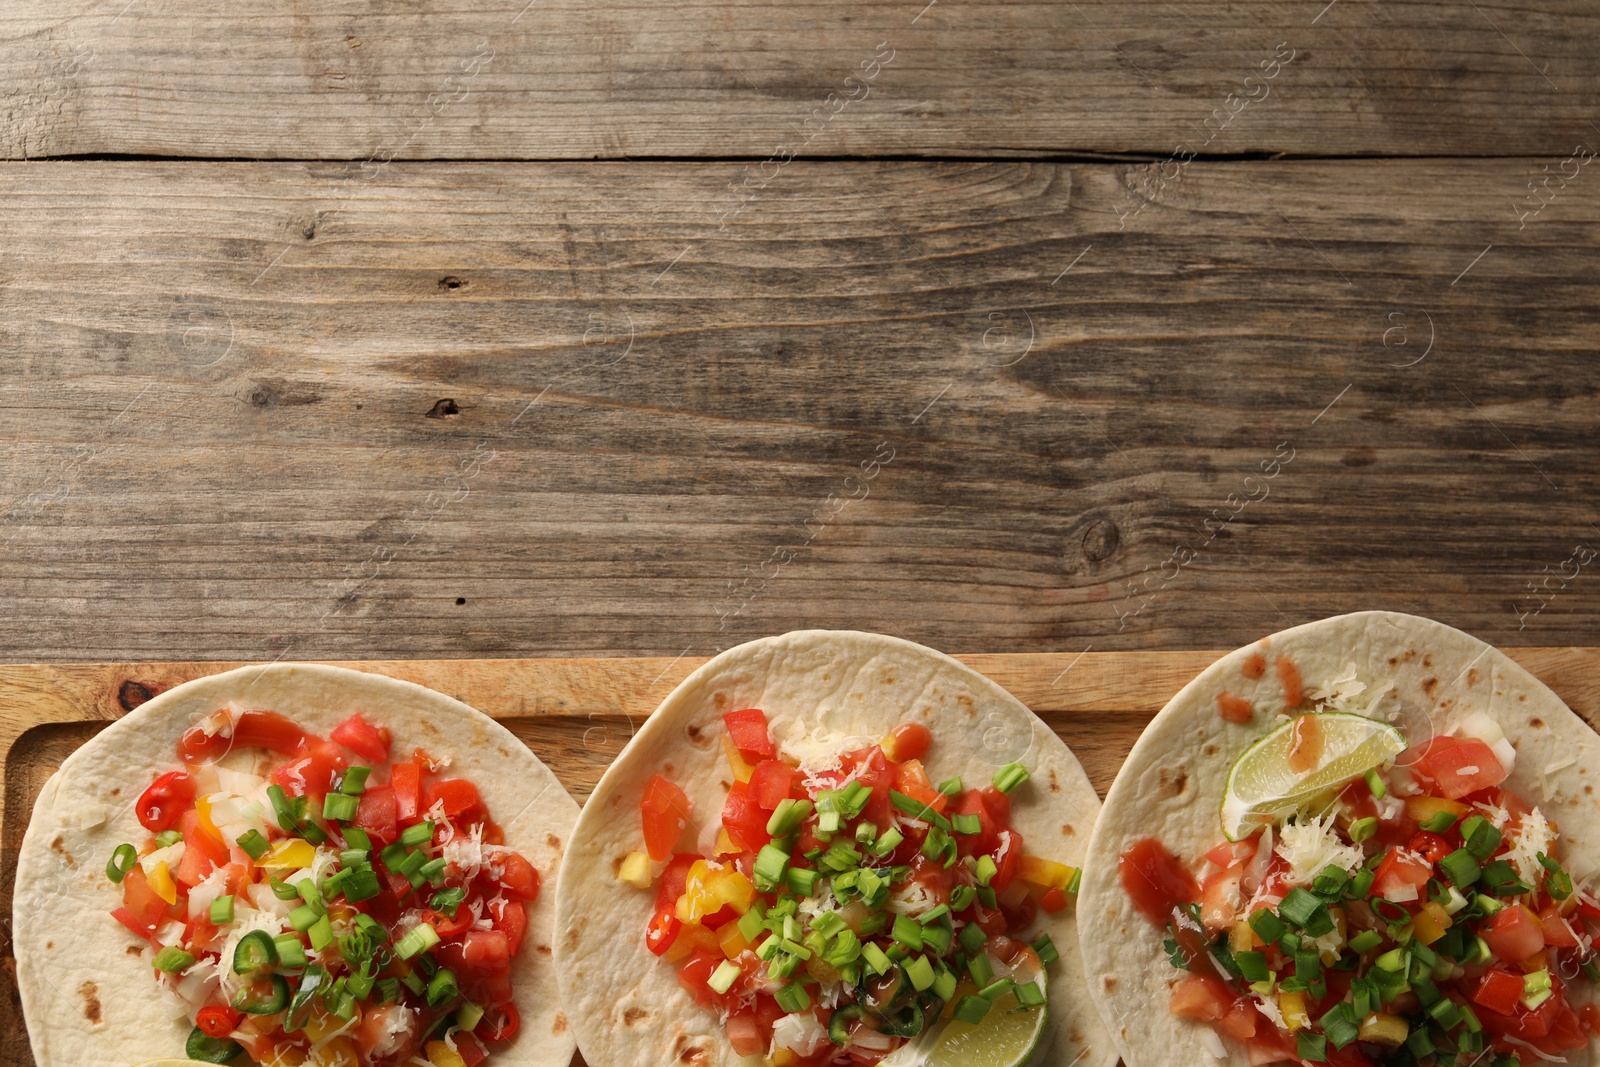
x=337, y=908
x=1415, y=914
x=848, y=903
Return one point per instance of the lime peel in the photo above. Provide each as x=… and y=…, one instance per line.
x=1005, y=1037
x=1262, y=789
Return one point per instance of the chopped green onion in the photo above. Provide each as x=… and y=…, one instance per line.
x=971, y=1010
x=433, y=870
x=417, y=939
x=288, y=811
x=931, y=916
x=291, y=953
x=168, y=838
x=888, y=841
x=173, y=960
x=1461, y=867
x=1009, y=777
x=1481, y=836
x=255, y=846
x=446, y=901
x=802, y=881
x=304, y=917
x=966, y=824
x=1439, y=822
x=356, y=837
x=973, y=938
x=918, y=810
x=308, y=891
x=723, y=977
x=1559, y=882
x=866, y=833
x=320, y=933
x=920, y=971
x=1309, y=1046
x=908, y=932
x=442, y=988
x=961, y=897
x=1375, y=783
x=788, y=816
x=1267, y=926
x=122, y=860
x=1340, y=1026
x=944, y=985
x=281, y=891
x=355, y=781
x=874, y=957
x=979, y=967
x=1253, y=966
x=1363, y=829
x=1046, y=949
x=340, y=806
x=986, y=870
x=420, y=834
x=793, y=997
x=1077, y=880
x=1501, y=879
x=1365, y=941
x=222, y=911
x=1029, y=995
x=1299, y=907
x=950, y=787
x=772, y=864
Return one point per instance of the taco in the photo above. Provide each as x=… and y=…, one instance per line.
x=1366, y=840
x=831, y=847
x=295, y=864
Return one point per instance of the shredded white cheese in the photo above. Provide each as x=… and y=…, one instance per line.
x=1531, y=837
x=1496, y=815
x=801, y=1034
x=1310, y=845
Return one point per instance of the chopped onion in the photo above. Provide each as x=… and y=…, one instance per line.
x=1481, y=726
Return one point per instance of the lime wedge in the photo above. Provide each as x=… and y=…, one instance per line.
x=1263, y=789
x=1005, y=1038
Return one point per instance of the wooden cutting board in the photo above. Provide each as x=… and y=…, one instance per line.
x=576, y=714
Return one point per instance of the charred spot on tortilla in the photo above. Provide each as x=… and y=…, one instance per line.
x=60, y=846
x=1589, y=790
x=1429, y=686
x=1394, y=662
x=1067, y=830
x=543, y=950
x=697, y=735
x=573, y=936
x=1427, y=662
x=1175, y=782
x=49, y=945
x=135, y=950
x=1209, y=750
x=1536, y=722
x=553, y=841
x=968, y=708
x=1055, y=785
x=1409, y=654
x=1472, y=676
x=91, y=1002
x=1110, y=983
x=634, y=1015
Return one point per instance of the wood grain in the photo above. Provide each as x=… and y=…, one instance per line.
x=576, y=714
x=273, y=410
x=549, y=79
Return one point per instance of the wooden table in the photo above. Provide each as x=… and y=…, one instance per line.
x=377, y=330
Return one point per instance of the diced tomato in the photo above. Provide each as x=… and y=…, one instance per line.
x=1514, y=934
x=1240, y=1022
x=312, y=773
x=1553, y=1027
x=377, y=814
x=1399, y=872
x=744, y=819
x=132, y=922
x=769, y=783
x=254, y=729
x=1155, y=880
x=1459, y=765
x=168, y=797
x=520, y=879
x=446, y=926
x=1499, y=991
x=142, y=903
x=983, y=842
x=665, y=810
x=911, y=779
x=458, y=796
x=998, y=804
x=486, y=950
x=1053, y=902
x=500, y=1023
x=217, y=1020
x=693, y=976
x=1271, y=1046
x=364, y=739
x=511, y=919
x=744, y=1033
x=201, y=851
x=748, y=731
x=1430, y=846
x=908, y=741
x=468, y=1047
x=1220, y=897
x=1200, y=996
x=1007, y=858
x=1558, y=932
x=406, y=781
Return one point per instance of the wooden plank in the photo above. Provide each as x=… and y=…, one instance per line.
x=547, y=79
x=577, y=713
x=949, y=401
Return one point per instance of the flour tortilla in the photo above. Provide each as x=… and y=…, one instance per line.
x=625, y=1004
x=91, y=1002
x=1171, y=788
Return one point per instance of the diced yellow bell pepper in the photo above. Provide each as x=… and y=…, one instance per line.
x=285, y=1056
x=342, y=1052
x=1046, y=874
x=442, y=1055
x=780, y=1058
x=691, y=937
x=161, y=881
x=1429, y=924
x=707, y=891
x=321, y=1025
x=1385, y=1029
x=725, y=845
x=635, y=870
x=1424, y=808
x=202, y=808
x=1241, y=938
x=292, y=853
x=732, y=940
x=741, y=770
x=1293, y=1007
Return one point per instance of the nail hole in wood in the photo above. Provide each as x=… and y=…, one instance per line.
x=132, y=694
x=461, y=600
x=450, y=281
x=444, y=408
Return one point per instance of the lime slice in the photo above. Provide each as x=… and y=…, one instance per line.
x=1262, y=788
x=1005, y=1038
